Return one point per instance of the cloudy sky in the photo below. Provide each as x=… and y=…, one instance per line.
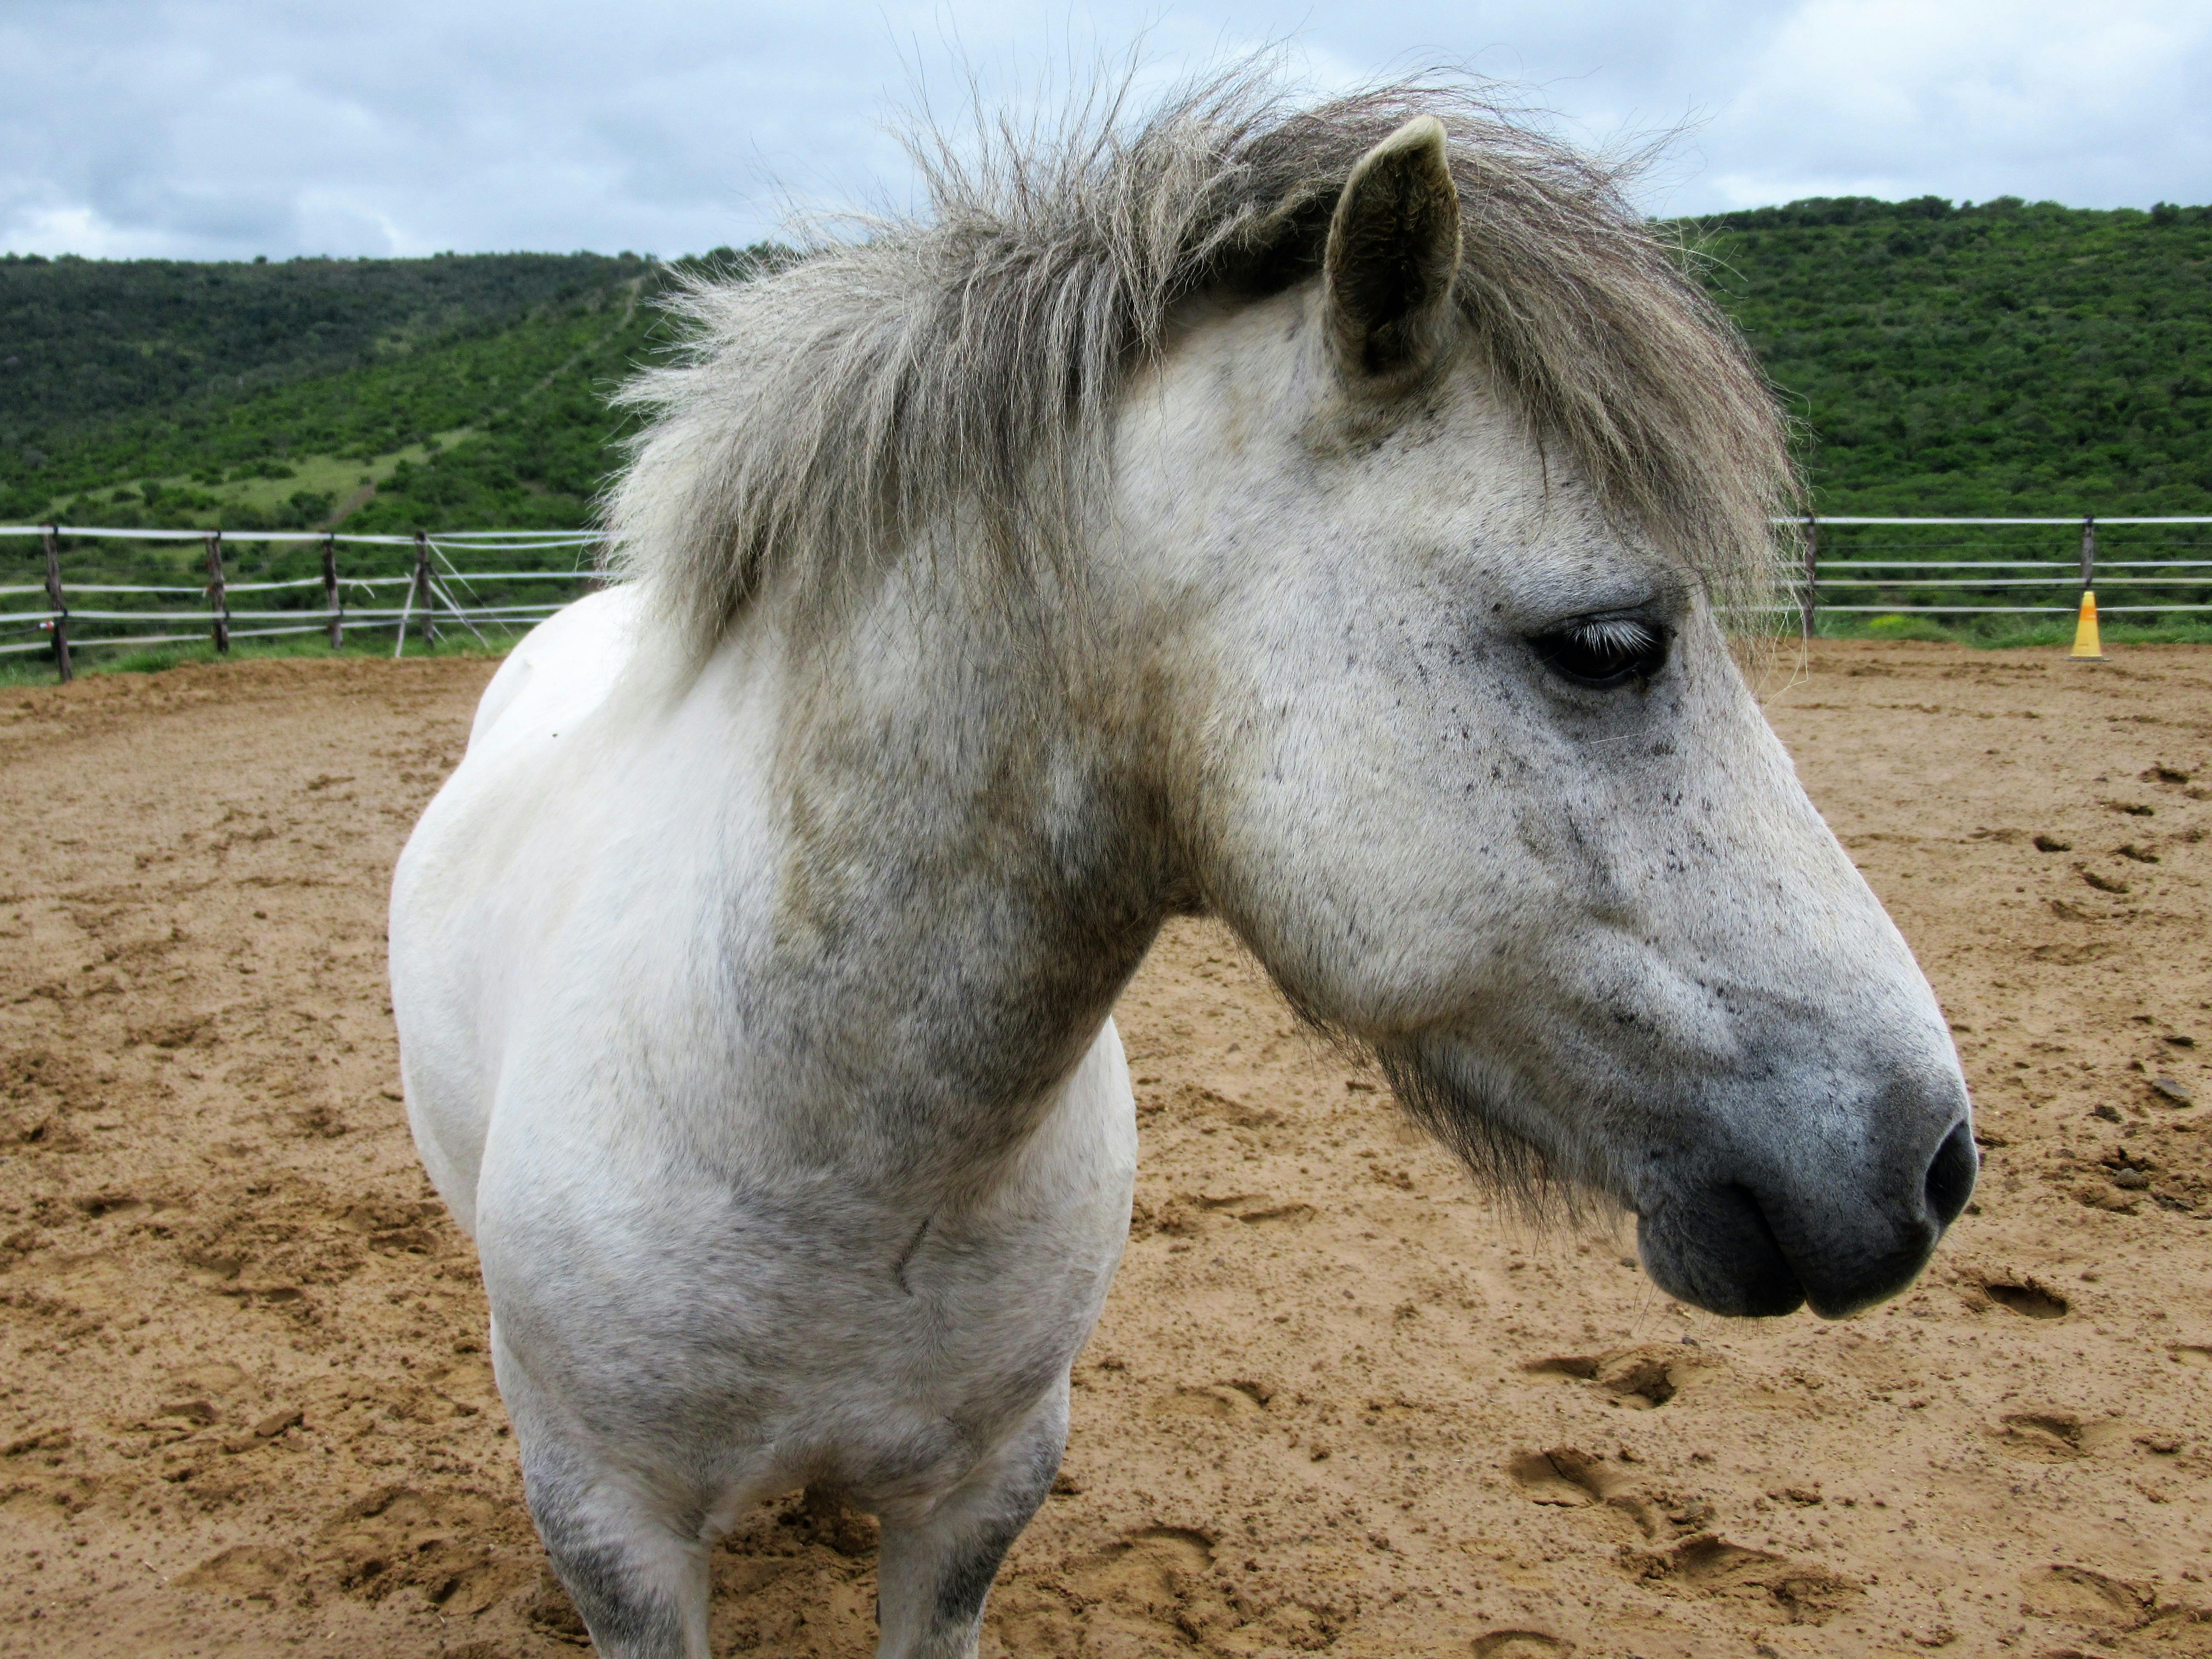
x=220, y=128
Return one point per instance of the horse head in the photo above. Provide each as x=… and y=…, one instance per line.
x=1462, y=750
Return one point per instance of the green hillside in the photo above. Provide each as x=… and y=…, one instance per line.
x=516, y=386
x=89, y=340
x=2005, y=358
x=354, y=445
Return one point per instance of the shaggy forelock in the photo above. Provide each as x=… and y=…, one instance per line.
x=959, y=371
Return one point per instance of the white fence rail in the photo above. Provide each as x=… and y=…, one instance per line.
x=1988, y=585
x=435, y=593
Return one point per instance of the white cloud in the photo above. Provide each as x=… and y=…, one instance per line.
x=2092, y=105
x=76, y=229
x=223, y=128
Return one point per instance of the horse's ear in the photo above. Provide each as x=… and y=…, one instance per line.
x=1393, y=250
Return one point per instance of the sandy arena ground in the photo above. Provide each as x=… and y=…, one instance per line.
x=1335, y=1404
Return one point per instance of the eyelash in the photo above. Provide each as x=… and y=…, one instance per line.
x=1604, y=652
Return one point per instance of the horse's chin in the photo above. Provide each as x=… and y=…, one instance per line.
x=1727, y=1248
x=1719, y=1254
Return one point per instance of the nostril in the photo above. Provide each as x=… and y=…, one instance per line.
x=1951, y=1175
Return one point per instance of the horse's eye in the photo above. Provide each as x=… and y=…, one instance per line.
x=1604, y=652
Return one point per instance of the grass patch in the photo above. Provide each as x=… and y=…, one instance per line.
x=1905, y=628
x=267, y=488
x=30, y=668
x=2010, y=634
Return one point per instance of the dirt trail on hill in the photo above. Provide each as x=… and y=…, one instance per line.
x=1336, y=1405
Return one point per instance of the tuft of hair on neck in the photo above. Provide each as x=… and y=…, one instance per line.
x=952, y=378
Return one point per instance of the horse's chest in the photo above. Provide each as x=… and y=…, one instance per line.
x=815, y=1331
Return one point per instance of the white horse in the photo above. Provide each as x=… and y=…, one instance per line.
x=1317, y=517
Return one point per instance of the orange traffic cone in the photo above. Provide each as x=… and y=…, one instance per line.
x=2086, y=646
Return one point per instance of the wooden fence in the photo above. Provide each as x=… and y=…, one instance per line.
x=430, y=594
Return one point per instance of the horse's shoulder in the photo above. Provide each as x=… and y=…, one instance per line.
x=564, y=667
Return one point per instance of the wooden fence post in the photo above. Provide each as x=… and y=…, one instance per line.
x=218, y=595
x=422, y=587
x=54, y=599
x=330, y=592
x=1811, y=572
x=2089, y=552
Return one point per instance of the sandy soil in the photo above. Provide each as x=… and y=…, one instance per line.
x=1336, y=1405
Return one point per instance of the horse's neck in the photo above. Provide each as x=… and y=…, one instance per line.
x=961, y=887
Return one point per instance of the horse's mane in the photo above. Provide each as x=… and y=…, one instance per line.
x=965, y=366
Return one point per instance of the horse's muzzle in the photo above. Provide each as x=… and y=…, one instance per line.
x=1765, y=1244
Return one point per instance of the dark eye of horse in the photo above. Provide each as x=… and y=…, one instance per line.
x=1604, y=652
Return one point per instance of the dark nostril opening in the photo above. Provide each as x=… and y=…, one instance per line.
x=1951, y=1175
